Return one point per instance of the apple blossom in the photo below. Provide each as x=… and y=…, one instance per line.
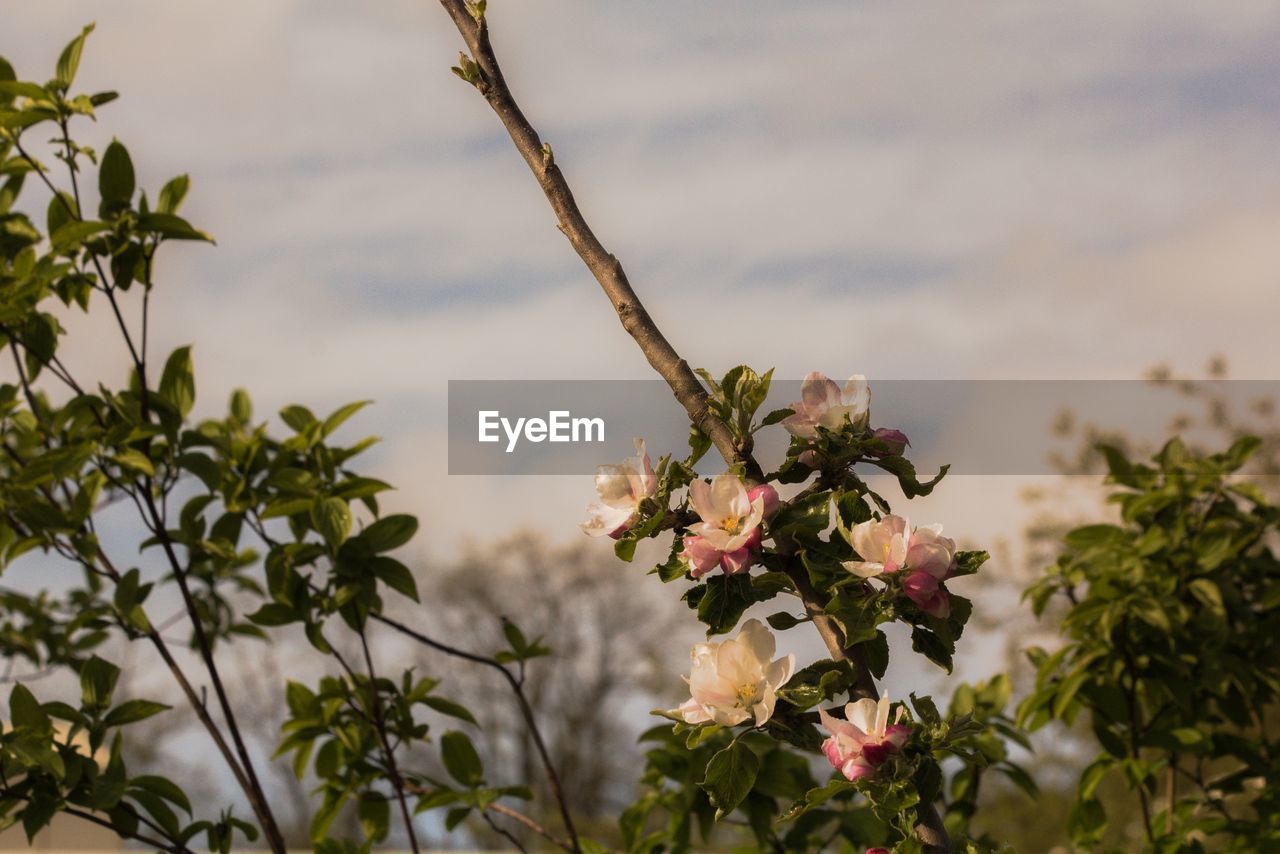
x=621, y=489
x=862, y=742
x=890, y=544
x=729, y=532
x=734, y=680
x=882, y=545
x=824, y=404
x=931, y=558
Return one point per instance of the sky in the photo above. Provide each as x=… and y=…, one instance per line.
x=906, y=190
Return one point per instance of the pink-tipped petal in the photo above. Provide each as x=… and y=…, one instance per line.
x=692, y=712
x=736, y=561
x=768, y=494
x=702, y=556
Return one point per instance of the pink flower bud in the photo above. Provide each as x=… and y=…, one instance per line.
x=877, y=851
x=769, y=496
x=924, y=589
x=895, y=439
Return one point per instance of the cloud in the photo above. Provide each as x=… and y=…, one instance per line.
x=905, y=191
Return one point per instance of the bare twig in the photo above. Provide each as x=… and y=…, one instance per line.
x=526, y=712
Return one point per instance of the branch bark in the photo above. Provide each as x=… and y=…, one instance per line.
x=606, y=268
x=486, y=76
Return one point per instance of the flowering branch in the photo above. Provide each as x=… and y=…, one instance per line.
x=482, y=71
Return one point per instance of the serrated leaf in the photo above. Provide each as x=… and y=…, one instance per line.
x=731, y=774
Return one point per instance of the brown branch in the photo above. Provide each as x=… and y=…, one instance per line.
x=484, y=72
x=606, y=268
x=521, y=818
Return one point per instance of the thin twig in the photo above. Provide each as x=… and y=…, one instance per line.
x=176, y=848
x=526, y=712
x=380, y=726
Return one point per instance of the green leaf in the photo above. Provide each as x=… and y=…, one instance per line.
x=62, y=210
x=374, y=812
x=163, y=788
x=460, y=758
x=297, y=417
x=731, y=774
x=723, y=600
x=69, y=61
x=98, y=682
x=332, y=518
x=73, y=233
x=1089, y=536
x=274, y=614
x=449, y=707
x=115, y=176
x=171, y=227
x=178, y=382
x=132, y=711
x=804, y=519
x=390, y=532
x=396, y=576
x=126, y=592
x=241, y=406
x=23, y=89
x=334, y=421
x=172, y=194
x=24, y=709
x=135, y=460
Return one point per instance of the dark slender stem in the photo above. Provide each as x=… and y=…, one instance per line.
x=521, y=818
x=380, y=726
x=1135, y=728
x=176, y=848
x=526, y=712
x=502, y=831
x=254, y=791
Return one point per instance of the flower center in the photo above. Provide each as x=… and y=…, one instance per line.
x=748, y=694
x=733, y=525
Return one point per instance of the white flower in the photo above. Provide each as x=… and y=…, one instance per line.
x=881, y=543
x=823, y=403
x=734, y=680
x=621, y=489
x=730, y=516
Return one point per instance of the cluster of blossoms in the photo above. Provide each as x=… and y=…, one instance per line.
x=737, y=680
x=824, y=404
x=860, y=743
x=923, y=555
x=731, y=528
